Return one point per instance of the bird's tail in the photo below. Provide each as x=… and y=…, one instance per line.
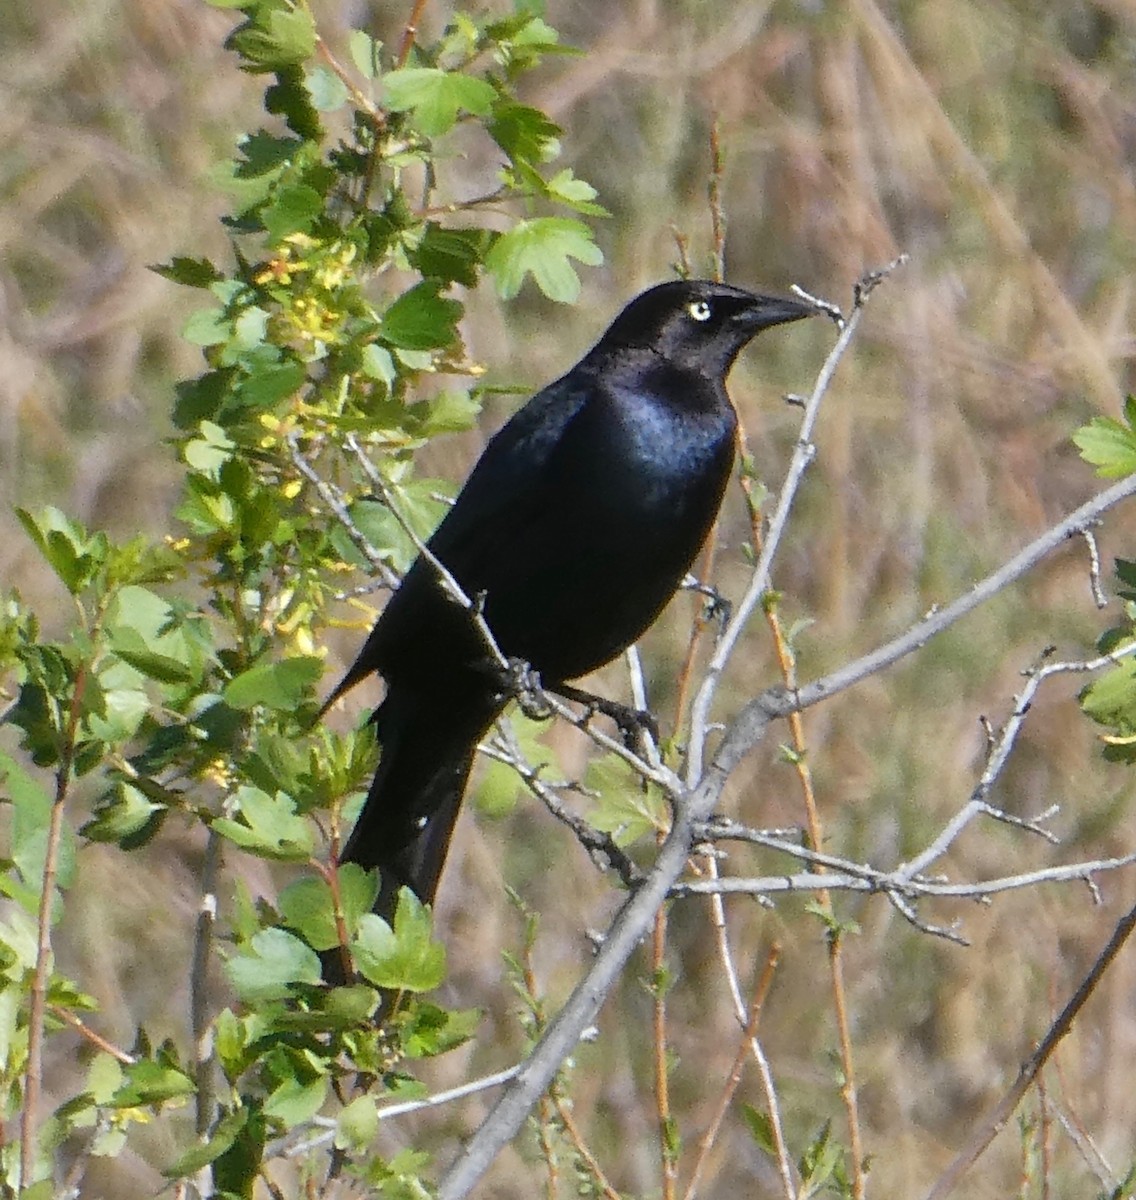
x=405, y=826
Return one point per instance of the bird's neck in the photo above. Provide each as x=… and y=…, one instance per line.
x=661, y=380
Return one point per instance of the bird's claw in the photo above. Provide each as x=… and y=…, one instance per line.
x=520, y=680
x=632, y=723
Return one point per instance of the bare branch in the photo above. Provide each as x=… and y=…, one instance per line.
x=759, y=582
x=1099, y=598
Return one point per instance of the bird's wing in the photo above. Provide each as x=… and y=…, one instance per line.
x=503, y=489
x=508, y=475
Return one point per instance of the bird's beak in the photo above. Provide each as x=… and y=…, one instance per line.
x=766, y=311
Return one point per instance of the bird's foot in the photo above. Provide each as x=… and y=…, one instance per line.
x=633, y=723
x=522, y=681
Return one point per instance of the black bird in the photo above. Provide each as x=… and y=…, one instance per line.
x=575, y=527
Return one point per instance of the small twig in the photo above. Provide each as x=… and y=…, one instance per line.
x=333, y=498
x=581, y=1147
x=544, y=1126
x=287, y=1148
x=33, y=1077
x=96, y=1039
x=749, y=1034
x=682, y=245
x=410, y=32
x=1087, y=1148
x=826, y=306
x=714, y=199
x=851, y=877
x=834, y=939
x=1099, y=598
x=668, y=1159
x=453, y=589
x=359, y=99
x=199, y=986
x=998, y=755
x=601, y=847
x=759, y=581
x=997, y=1118
x=943, y=618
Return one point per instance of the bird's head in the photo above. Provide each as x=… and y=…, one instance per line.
x=698, y=324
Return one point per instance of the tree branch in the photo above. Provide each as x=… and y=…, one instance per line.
x=694, y=807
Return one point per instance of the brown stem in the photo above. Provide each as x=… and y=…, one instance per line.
x=714, y=195
x=38, y=1006
x=409, y=32
x=198, y=986
x=824, y=899
x=581, y=1147
x=96, y=1039
x=757, y=1003
x=667, y=1157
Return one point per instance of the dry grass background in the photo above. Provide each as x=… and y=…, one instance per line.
x=994, y=141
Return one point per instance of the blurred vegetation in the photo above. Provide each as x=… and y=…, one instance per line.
x=994, y=143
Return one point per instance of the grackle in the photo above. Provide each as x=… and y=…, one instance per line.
x=573, y=530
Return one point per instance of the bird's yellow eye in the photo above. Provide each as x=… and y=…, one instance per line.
x=699, y=310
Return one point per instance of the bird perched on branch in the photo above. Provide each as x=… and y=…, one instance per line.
x=572, y=532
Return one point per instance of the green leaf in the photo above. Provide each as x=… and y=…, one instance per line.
x=150, y=1082
x=378, y=364
x=142, y=631
x=357, y=1124
x=449, y=412
x=327, y=90
x=193, y=272
x=286, y=37
x=228, y=1128
x=576, y=193
x=760, y=1128
x=29, y=829
x=272, y=963
x=121, y=815
x=288, y=98
x=293, y=210
x=281, y=686
x=527, y=135
x=209, y=452
x=405, y=958
x=73, y=554
x=207, y=327
x=435, y=98
x=1109, y=445
x=501, y=786
x=307, y=905
x=1111, y=699
x=296, y=1101
x=364, y=52
x=542, y=247
x=269, y=826
x=420, y=319
x=623, y=808
x=380, y=527
x=451, y=255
